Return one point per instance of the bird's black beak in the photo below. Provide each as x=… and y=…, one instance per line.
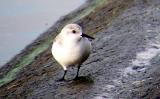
x=87, y=36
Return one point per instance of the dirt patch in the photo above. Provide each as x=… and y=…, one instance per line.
x=125, y=31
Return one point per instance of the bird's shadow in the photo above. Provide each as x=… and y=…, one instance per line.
x=83, y=80
x=79, y=80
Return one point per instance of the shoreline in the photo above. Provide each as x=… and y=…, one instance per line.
x=124, y=31
x=43, y=42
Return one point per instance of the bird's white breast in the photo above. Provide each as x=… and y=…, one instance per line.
x=70, y=52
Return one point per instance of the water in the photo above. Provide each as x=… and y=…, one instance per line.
x=22, y=21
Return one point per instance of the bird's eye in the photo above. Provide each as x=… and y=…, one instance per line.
x=73, y=31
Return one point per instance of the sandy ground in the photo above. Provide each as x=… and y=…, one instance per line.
x=124, y=62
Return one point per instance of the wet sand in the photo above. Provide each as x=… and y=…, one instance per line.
x=125, y=31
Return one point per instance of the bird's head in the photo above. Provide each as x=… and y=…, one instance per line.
x=73, y=31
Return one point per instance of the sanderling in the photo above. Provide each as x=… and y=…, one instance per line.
x=71, y=47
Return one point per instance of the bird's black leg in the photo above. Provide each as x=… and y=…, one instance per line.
x=78, y=71
x=63, y=78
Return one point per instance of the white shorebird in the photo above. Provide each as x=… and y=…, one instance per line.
x=71, y=47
